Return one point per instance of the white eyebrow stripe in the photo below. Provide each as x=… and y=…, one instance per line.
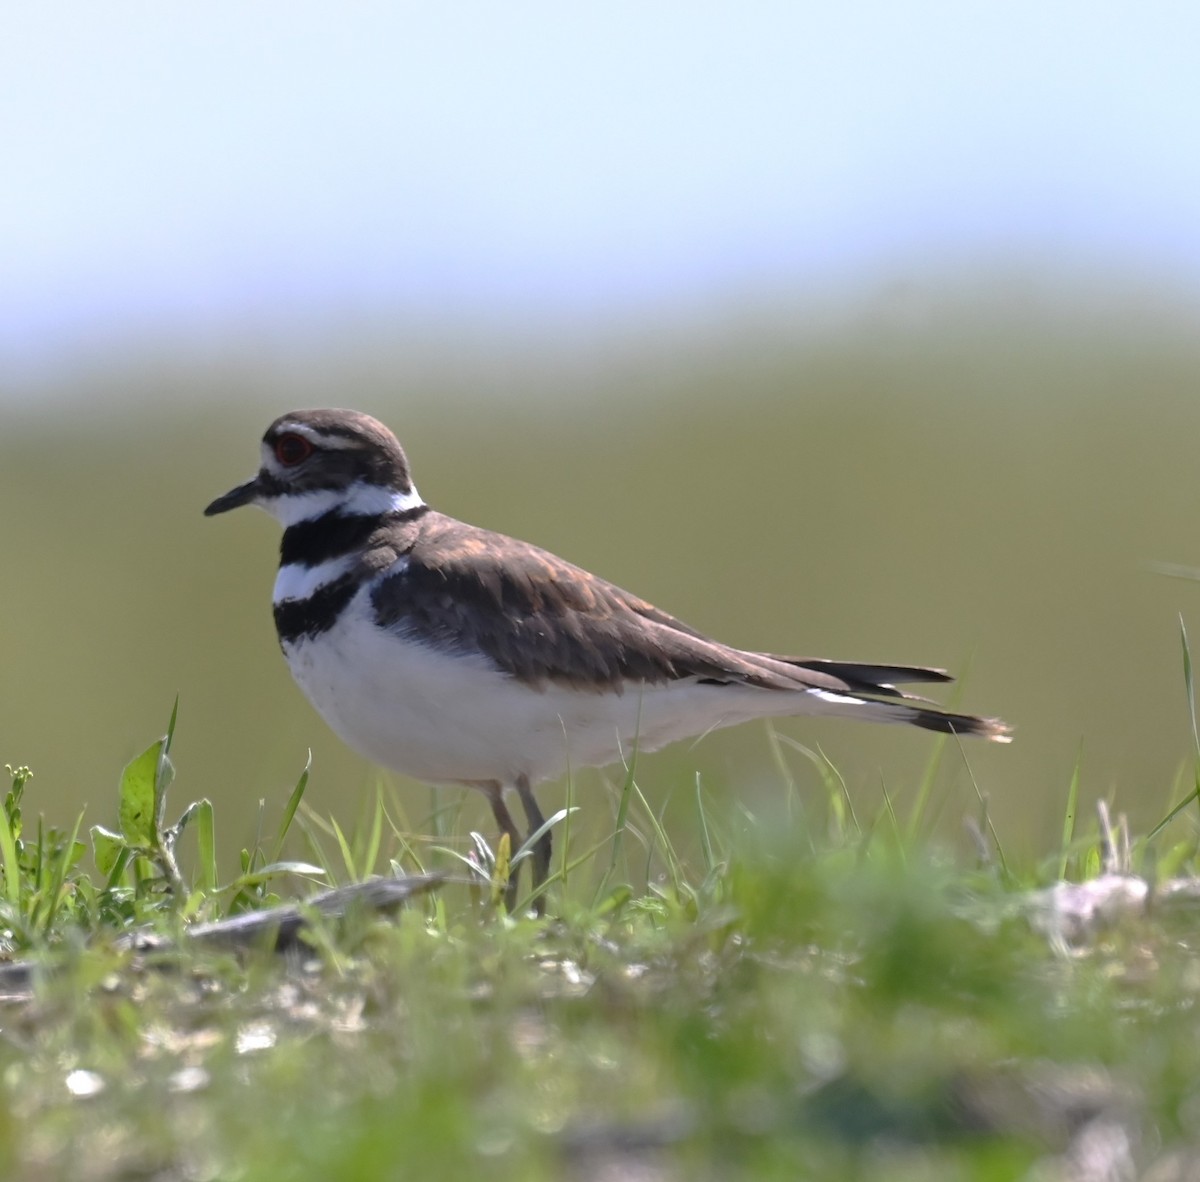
x=298, y=582
x=359, y=500
x=318, y=437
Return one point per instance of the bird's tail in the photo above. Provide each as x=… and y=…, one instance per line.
x=899, y=709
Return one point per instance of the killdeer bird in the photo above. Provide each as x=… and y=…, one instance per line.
x=456, y=655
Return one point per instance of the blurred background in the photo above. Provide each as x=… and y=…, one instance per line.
x=865, y=332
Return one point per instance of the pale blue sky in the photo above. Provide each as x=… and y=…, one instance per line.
x=179, y=169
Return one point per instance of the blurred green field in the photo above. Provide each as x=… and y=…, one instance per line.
x=984, y=489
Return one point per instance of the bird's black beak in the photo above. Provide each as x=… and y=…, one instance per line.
x=235, y=498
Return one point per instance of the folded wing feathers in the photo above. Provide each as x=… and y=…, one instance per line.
x=849, y=688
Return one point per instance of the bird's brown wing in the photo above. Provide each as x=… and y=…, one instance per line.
x=544, y=620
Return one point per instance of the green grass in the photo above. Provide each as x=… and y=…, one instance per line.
x=815, y=994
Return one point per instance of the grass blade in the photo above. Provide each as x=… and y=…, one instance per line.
x=347, y=852
x=375, y=839
x=62, y=864
x=1068, y=830
x=920, y=806
x=1190, y=684
x=206, y=844
x=8, y=855
x=527, y=846
x=289, y=811
x=618, y=835
x=705, y=837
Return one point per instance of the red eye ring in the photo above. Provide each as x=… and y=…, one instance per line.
x=292, y=449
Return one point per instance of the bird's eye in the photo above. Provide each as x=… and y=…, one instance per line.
x=292, y=449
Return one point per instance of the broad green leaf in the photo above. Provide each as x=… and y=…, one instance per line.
x=106, y=849
x=137, y=808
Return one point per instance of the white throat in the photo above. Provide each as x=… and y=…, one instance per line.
x=359, y=500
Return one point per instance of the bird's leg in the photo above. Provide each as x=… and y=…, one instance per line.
x=495, y=795
x=541, y=851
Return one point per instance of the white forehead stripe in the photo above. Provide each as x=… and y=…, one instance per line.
x=359, y=500
x=296, y=581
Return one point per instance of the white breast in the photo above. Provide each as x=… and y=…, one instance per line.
x=442, y=717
